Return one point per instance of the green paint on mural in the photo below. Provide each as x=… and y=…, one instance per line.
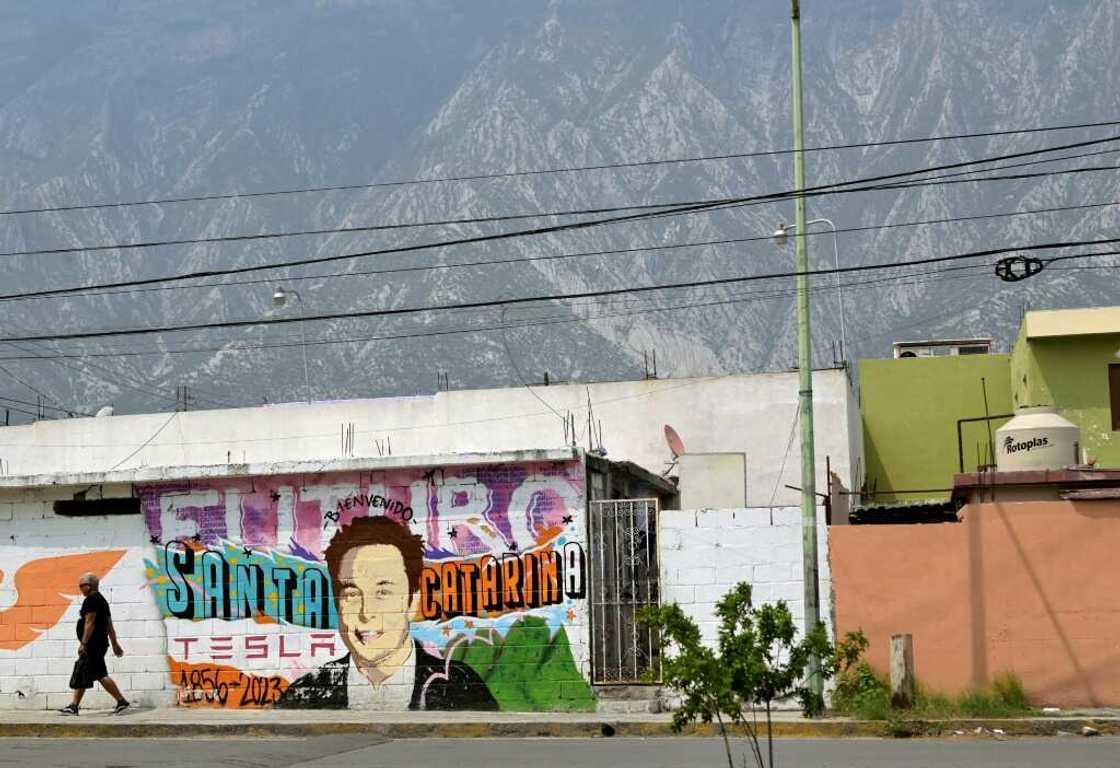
x=531, y=670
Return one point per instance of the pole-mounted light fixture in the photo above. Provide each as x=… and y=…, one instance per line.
x=280, y=299
x=781, y=235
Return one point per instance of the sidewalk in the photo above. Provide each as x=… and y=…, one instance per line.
x=196, y=723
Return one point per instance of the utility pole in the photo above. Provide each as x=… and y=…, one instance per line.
x=804, y=364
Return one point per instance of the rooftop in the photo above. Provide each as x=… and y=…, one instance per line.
x=1081, y=483
x=1088, y=321
x=373, y=463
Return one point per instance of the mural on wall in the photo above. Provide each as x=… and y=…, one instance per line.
x=456, y=588
x=44, y=589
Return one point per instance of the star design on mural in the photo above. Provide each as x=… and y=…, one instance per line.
x=571, y=614
x=247, y=551
x=566, y=519
x=513, y=546
x=468, y=624
x=275, y=496
x=196, y=538
x=154, y=540
x=452, y=533
x=446, y=631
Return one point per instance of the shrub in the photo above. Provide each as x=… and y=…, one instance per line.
x=756, y=661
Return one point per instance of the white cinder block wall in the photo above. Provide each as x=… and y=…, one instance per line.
x=706, y=552
x=42, y=556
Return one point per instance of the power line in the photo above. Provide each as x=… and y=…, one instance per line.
x=539, y=172
x=868, y=284
x=477, y=329
x=697, y=208
x=68, y=411
x=1078, y=156
x=147, y=442
x=684, y=209
x=14, y=409
x=438, y=222
x=8, y=403
x=400, y=311
x=581, y=254
x=531, y=322
x=736, y=298
x=34, y=389
x=110, y=379
x=349, y=230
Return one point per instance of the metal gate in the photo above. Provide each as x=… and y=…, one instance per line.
x=625, y=578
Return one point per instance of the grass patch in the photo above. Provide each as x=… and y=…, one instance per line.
x=863, y=695
x=1004, y=698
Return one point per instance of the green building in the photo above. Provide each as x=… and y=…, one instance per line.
x=926, y=419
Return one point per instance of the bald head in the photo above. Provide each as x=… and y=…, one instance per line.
x=89, y=579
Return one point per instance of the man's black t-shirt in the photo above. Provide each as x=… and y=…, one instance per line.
x=99, y=641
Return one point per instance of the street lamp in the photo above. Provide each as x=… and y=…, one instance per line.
x=280, y=299
x=781, y=237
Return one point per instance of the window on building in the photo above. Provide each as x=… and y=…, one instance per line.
x=1114, y=394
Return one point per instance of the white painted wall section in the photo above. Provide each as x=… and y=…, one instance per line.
x=706, y=552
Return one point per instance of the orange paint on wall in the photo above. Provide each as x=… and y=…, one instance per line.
x=219, y=686
x=1021, y=587
x=45, y=589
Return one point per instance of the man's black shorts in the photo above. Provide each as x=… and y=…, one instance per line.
x=88, y=669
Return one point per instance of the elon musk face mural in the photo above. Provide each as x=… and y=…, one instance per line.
x=376, y=599
x=410, y=589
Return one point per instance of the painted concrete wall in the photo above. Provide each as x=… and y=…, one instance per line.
x=910, y=411
x=712, y=480
x=42, y=556
x=706, y=552
x=1023, y=587
x=742, y=413
x=466, y=588
x=1071, y=373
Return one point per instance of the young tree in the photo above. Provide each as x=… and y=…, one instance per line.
x=757, y=661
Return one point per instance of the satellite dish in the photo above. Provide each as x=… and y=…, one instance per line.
x=676, y=445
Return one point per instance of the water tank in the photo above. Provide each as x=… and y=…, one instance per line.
x=1037, y=438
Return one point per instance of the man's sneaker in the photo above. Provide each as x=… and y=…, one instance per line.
x=122, y=705
x=69, y=709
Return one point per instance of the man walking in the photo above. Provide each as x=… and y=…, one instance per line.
x=95, y=633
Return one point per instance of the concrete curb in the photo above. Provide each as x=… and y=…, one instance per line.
x=599, y=728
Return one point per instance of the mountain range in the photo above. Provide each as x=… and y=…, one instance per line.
x=137, y=100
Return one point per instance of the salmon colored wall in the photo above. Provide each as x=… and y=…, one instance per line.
x=1023, y=587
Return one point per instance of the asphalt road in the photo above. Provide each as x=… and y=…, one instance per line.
x=338, y=751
